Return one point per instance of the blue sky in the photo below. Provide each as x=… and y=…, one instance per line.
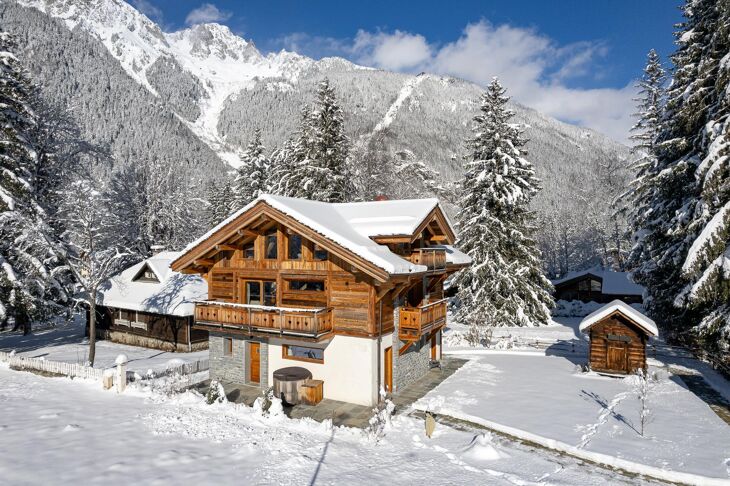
x=575, y=60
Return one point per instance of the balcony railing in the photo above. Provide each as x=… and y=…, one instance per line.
x=257, y=318
x=415, y=321
x=432, y=258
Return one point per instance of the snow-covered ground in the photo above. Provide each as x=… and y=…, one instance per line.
x=61, y=431
x=66, y=343
x=548, y=397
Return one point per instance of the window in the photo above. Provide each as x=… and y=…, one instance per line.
x=253, y=293
x=227, y=346
x=248, y=251
x=145, y=274
x=121, y=317
x=270, y=293
x=320, y=254
x=307, y=285
x=295, y=246
x=272, y=252
x=303, y=353
x=595, y=286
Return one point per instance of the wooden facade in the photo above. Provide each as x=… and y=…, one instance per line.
x=169, y=333
x=589, y=288
x=617, y=345
x=269, y=274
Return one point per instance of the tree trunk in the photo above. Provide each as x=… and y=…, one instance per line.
x=92, y=328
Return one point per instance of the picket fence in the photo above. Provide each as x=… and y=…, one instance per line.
x=68, y=369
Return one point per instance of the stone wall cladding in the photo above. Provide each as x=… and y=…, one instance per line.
x=226, y=368
x=234, y=368
x=412, y=365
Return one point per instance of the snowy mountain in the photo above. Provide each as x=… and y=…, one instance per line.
x=195, y=96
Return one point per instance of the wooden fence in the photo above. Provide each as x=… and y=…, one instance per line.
x=68, y=369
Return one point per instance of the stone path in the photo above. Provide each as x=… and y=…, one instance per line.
x=343, y=413
x=403, y=399
x=698, y=386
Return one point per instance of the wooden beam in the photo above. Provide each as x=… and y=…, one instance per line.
x=223, y=247
x=439, y=238
x=204, y=262
x=405, y=347
x=382, y=292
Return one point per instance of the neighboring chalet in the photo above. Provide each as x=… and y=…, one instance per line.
x=618, y=334
x=351, y=292
x=598, y=285
x=150, y=305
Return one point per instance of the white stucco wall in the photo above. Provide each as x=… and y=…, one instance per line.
x=349, y=370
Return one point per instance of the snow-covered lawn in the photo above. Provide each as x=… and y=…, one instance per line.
x=66, y=343
x=548, y=397
x=61, y=431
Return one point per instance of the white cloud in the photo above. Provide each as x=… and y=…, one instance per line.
x=146, y=7
x=533, y=67
x=207, y=13
x=395, y=52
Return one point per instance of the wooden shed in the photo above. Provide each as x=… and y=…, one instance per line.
x=618, y=337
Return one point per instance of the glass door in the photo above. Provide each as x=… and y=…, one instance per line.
x=253, y=292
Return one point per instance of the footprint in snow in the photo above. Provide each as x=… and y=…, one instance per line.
x=71, y=428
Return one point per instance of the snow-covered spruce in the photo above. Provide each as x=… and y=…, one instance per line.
x=505, y=285
x=33, y=283
x=251, y=177
x=685, y=238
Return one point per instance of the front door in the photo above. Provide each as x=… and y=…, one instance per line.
x=254, y=362
x=617, y=356
x=388, y=372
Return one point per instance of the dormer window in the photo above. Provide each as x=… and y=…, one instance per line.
x=146, y=274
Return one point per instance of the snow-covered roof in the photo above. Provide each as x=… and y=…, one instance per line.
x=618, y=305
x=175, y=293
x=352, y=225
x=613, y=283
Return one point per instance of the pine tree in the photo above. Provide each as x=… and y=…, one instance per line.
x=221, y=202
x=704, y=223
x=32, y=281
x=322, y=153
x=638, y=199
x=505, y=285
x=677, y=210
x=282, y=178
x=251, y=177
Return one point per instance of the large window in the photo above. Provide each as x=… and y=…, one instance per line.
x=307, y=285
x=303, y=353
x=248, y=250
x=319, y=253
x=271, y=244
x=295, y=246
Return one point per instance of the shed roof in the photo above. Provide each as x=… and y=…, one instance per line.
x=175, y=293
x=620, y=306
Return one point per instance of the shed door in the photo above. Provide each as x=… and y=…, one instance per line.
x=617, y=356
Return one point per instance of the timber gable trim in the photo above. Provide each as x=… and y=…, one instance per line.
x=239, y=224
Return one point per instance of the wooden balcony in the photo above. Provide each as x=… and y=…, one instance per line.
x=433, y=258
x=252, y=319
x=414, y=322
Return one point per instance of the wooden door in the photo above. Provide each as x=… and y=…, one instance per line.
x=617, y=356
x=254, y=362
x=388, y=372
x=433, y=347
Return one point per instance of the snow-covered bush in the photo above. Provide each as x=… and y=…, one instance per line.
x=380, y=422
x=574, y=308
x=268, y=404
x=641, y=384
x=216, y=393
x=478, y=335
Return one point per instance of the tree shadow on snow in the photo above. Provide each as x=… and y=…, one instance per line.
x=605, y=405
x=573, y=350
